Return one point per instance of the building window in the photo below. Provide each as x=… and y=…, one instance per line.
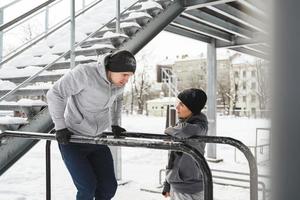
x=244, y=98
x=244, y=85
x=161, y=107
x=236, y=74
x=253, y=98
x=253, y=73
x=253, y=85
x=244, y=74
x=253, y=111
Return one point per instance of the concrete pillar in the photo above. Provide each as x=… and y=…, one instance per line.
x=211, y=95
x=286, y=101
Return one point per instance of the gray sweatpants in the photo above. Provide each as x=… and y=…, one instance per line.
x=184, y=196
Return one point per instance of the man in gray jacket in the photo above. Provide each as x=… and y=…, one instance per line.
x=184, y=178
x=86, y=101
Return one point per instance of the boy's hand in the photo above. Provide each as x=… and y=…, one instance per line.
x=117, y=131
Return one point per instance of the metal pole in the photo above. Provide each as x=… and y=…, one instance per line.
x=48, y=170
x=117, y=16
x=1, y=34
x=211, y=95
x=72, y=34
x=47, y=19
x=83, y=4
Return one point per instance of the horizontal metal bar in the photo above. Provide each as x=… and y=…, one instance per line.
x=164, y=145
x=194, y=4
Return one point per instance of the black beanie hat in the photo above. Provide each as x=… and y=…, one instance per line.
x=120, y=61
x=194, y=99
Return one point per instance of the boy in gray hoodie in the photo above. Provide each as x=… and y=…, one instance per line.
x=183, y=177
x=86, y=101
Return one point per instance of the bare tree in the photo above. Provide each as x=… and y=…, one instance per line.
x=263, y=86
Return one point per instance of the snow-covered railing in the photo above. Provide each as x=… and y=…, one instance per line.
x=143, y=141
x=58, y=58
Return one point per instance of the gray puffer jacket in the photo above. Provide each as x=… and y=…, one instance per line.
x=183, y=173
x=83, y=100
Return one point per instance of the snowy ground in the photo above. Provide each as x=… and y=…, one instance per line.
x=26, y=179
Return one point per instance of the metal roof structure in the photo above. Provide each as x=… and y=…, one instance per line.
x=238, y=25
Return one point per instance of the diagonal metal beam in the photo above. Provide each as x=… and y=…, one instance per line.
x=216, y=22
x=194, y=4
x=203, y=29
x=250, y=52
x=239, y=16
x=186, y=33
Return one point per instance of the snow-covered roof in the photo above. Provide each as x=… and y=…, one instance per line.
x=163, y=100
x=243, y=59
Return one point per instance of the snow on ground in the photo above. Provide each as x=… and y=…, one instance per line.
x=26, y=179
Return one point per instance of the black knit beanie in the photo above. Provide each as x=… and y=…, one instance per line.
x=194, y=99
x=120, y=61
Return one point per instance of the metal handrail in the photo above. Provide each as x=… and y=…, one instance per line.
x=26, y=19
x=61, y=56
x=42, y=36
x=21, y=17
x=213, y=139
x=165, y=145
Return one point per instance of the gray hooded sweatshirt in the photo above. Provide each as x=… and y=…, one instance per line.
x=183, y=173
x=84, y=100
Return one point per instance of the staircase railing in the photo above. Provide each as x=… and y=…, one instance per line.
x=28, y=80
x=43, y=35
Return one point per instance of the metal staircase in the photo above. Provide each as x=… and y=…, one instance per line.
x=139, y=23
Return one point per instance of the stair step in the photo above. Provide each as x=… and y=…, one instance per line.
x=30, y=92
x=141, y=18
x=151, y=7
x=90, y=51
x=66, y=63
x=40, y=78
x=128, y=28
x=116, y=39
x=8, y=120
x=21, y=104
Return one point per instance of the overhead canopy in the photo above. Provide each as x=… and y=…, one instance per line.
x=239, y=25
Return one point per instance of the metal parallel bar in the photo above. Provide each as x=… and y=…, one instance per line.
x=212, y=139
x=53, y=62
x=48, y=170
x=21, y=17
x=165, y=145
x=44, y=35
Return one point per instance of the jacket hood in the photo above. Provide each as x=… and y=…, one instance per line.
x=101, y=66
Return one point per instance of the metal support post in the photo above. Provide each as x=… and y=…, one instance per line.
x=211, y=93
x=48, y=170
x=117, y=16
x=47, y=19
x=72, y=36
x=1, y=33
